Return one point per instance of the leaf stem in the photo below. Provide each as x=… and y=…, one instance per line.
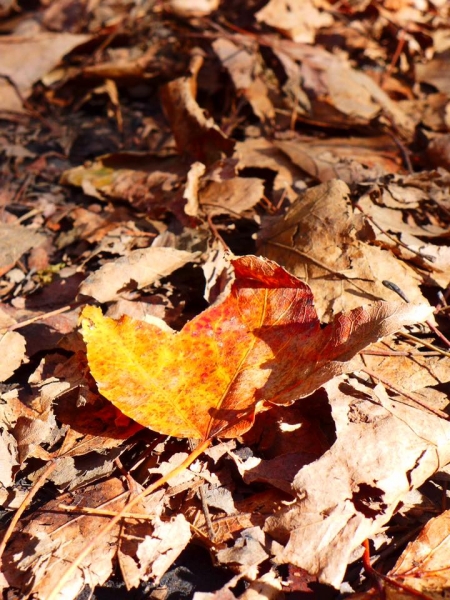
x=67, y=574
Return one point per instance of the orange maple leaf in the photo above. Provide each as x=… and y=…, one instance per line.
x=263, y=344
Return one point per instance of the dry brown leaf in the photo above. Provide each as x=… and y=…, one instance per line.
x=383, y=449
x=246, y=73
x=351, y=159
x=328, y=245
x=297, y=20
x=249, y=549
x=435, y=72
x=340, y=95
x=195, y=134
x=27, y=59
x=51, y=538
x=145, y=554
x=136, y=270
x=15, y=240
x=146, y=180
x=231, y=196
x=32, y=422
x=260, y=153
x=191, y=8
x=8, y=458
x=413, y=372
x=424, y=564
x=12, y=349
x=193, y=183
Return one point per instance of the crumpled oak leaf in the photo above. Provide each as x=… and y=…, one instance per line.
x=262, y=344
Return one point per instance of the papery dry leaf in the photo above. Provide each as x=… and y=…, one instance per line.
x=259, y=153
x=435, y=72
x=424, y=564
x=262, y=343
x=351, y=159
x=247, y=551
x=246, y=73
x=147, y=552
x=145, y=180
x=410, y=373
x=324, y=242
x=8, y=458
x=340, y=95
x=163, y=548
x=383, y=450
x=35, y=555
x=267, y=587
x=15, y=240
x=231, y=195
x=27, y=59
x=298, y=20
x=12, y=349
x=138, y=269
x=191, y=8
x=195, y=134
x=190, y=193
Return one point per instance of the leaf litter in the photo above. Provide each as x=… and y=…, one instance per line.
x=151, y=152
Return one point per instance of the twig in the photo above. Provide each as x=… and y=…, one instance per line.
x=86, y=510
x=217, y=234
x=417, y=340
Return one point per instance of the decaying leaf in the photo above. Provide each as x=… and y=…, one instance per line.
x=350, y=159
x=139, y=269
x=195, y=134
x=27, y=59
x=15, y=240
x=51, y=539
x=246, y=72
x=147, y=554
x=298, y=20
x=12, y=348
x=384, y=448
x=424, y=564
x=263, y=343
x=327, y=244
x=145, y=180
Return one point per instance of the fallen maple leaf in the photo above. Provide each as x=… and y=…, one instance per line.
x=263, y=343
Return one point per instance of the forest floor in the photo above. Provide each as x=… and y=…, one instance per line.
x=150, y=150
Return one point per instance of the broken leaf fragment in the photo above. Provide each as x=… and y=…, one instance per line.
x=262, y=344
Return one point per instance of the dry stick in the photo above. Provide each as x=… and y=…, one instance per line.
x=216, y=233
x=397, y=389
x=109, y=526
x=100, y=512
x=417, y=340
x=26, y=502
x=42, y=317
